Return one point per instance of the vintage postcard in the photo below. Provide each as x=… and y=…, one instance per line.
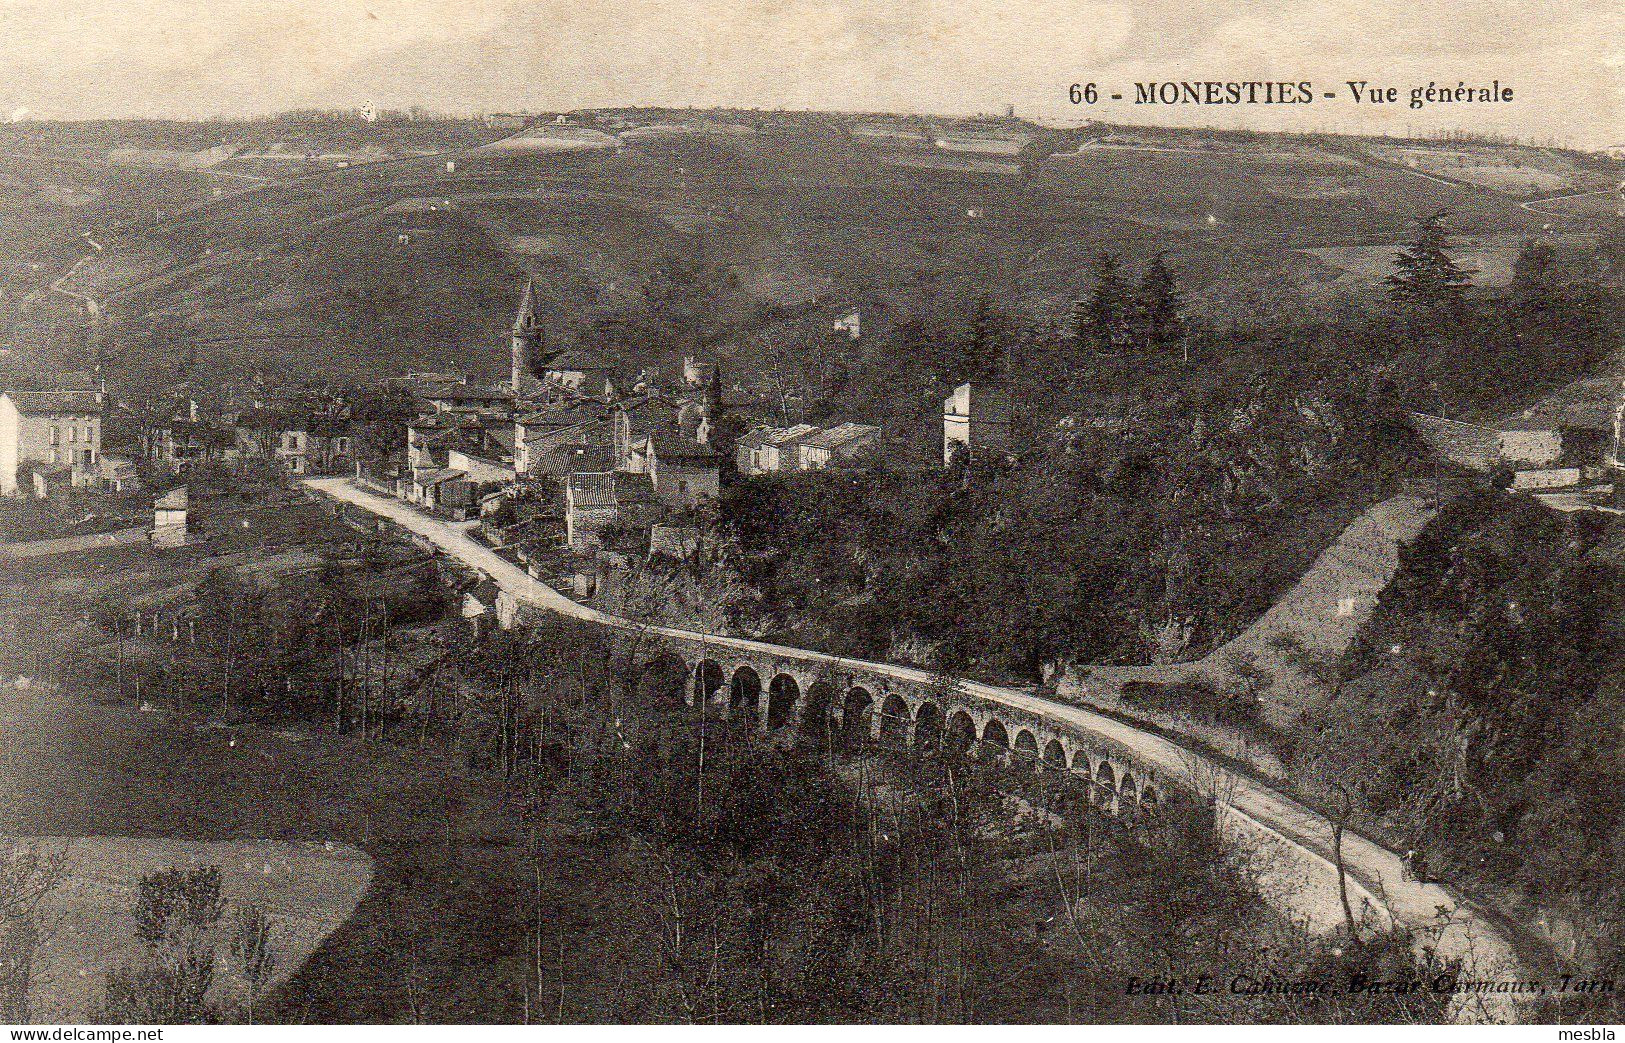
x=783, y=512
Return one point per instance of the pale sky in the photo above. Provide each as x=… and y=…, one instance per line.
x=188, y=58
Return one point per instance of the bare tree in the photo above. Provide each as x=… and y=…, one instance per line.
x=27, y=878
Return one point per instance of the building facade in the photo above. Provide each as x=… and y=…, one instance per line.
x=975, y=418
x=50, y=430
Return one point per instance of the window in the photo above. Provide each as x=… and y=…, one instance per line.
x=87, y=434
x=55, y=456
x=56, y=439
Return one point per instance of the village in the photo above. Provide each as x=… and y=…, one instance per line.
x=575, y=464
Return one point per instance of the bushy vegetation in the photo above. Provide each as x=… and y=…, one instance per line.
x=630, y=863
x=1482, y=711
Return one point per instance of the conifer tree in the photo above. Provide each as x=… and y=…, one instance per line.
x=1107, y=311
x=1157, y=304
x=1424, y=275
x=986, y=347
x=1534, y=270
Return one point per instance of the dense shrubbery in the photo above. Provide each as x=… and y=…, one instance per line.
x=1199, y=507
x=1483, y=711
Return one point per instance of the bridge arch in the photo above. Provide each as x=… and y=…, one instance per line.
x=1105, y=789
x=1128, y=791
x=820, y=708
x=928, y=725
x=960, y=735
x=783, y=701
x=745, y=690
x=895, y=721
x=1054, y=756
x=995, y=740
x=1026, y=750
x=856, y=715
x=1149, y=797
x=708, y=677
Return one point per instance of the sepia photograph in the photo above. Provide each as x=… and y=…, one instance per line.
x=811, y=512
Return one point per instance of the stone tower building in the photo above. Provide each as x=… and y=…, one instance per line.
x=527, y=341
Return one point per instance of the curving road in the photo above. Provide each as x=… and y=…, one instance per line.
x=1462, y=931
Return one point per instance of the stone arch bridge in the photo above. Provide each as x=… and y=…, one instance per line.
x=778, y=693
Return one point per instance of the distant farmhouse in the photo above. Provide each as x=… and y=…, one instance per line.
x=1564, y=451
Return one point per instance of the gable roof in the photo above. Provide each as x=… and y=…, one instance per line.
x=591, y=490
x=576, y=359
x=673, y=447
x=469, y=393
x=789, y=435
x=437, y=476
x=840, y=435
x=51, y=403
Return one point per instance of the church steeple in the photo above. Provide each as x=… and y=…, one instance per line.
x=527, y=340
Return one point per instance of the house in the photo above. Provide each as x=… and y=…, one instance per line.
x=589, y=508
x=580, y=370
x=113, y=472
x=169, y=519
x=443, y=488
x=455, y=398
x=1577, y=424
x=302, y=442
x=1529, y=443
x=803, y=447
x=849, y=323
x=181, y=444
x=50, y=429
x=430, y=438
x=481, y=470
x=684, y=473
x=580, y=435
x=816, y=450
x=764, y=449
x=594, y=504
x=976, y=418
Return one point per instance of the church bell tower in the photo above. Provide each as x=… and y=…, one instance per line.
x=527, y=341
